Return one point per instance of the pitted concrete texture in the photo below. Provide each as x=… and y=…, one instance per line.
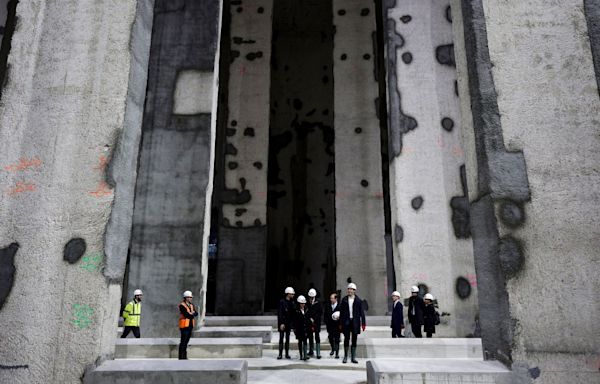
x=73, y=95
x=457, y=371
x=198, y=348
x=560, y=236
x=263, y=332
x=168, y=371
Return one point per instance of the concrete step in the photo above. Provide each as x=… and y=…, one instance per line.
x=263, y=332
x=224, y=321
x=197, y=348
x=447, y=371
x=169, y=371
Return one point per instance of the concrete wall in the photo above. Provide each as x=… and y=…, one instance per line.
x=534, y=203
x=168, y=252
x=430, y=210
x=70, y=127
x=359, y=222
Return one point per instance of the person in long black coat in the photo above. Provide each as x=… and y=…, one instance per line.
x=397, y=315
x=429, y=316
x=302, y=326
x=352, y=317
x=333, y=326
x=415, y=311
x=315, y=311
x=285, y=319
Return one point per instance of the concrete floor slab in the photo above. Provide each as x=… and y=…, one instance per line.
x=197, y=348
x=263, y=332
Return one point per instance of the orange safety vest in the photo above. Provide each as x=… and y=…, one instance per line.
x=183, y=321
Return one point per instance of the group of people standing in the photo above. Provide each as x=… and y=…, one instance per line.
x=346, y=316
x=421, y=314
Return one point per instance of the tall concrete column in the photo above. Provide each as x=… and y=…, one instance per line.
x=242, y=234
x=430, y=211
x=168, y=251
x=359, y=224
x=70, y=119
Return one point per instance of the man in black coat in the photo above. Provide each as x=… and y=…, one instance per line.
x=302, y=326
x=315, y=313
x=352, y=317
x=416, y=306
x=285, y=319
x=333, y=324
x=397, y=315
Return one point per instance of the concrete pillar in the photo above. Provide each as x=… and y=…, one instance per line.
x=242, y=234
x=70, y=123
x=534, y=206
x=169, y=237
x=430, y=212
x=359, y=224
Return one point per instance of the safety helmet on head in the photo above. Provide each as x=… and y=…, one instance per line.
x=414, y=289
x=187, y=294
x=396, y=293
x=137, y=292
x=289, y=290
x=335, y=315
x=428, y=296
x=352, y=285
x=312, y=292
x=301, y=299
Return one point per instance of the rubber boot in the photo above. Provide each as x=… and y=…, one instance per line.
x=318, y=348
x=337, y=350
x=332, y=347
x=353, y=352
x=301, y=350
x=280, y=350
x=287, y=350
x=311, y=342
x=306, y=356
x=345, y=355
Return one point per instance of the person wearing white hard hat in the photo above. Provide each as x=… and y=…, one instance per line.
x=187, y=321
x=352, y=317
x=429, y=315
x=285, y=319
x=301, y=327
x=397, y=324
x=315, y=312
x=415, y=311
x=132, y=315
x=332, y=322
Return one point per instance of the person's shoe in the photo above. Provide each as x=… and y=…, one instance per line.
x=332, y=352
x=345, y=359
x=337, y=351
x=279, y=357
x=353, y=352
x=288, y=357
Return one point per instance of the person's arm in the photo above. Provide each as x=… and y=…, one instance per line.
x=185, y=313
x=127, y=311
x=362, y=316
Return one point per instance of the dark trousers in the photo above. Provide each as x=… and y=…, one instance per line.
x=416, y=330
x=429, y=334
x=397, y=332
x=186, y=334
x=347, y=333
x=334, y=341
x=127, y=329
x=287, y=340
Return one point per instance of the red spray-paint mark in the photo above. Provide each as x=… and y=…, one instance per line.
x=103, y=189
x=21, y=187
x=24, y=164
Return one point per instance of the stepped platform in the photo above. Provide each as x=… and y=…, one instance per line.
x=169, y=371
x=262, y=332
x=202, y=348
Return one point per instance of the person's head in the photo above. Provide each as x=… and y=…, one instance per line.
x=312, y=294
x=414, y=290
x=395, y=296
x=333, y=298
x=187, y=296
x=137, y=295
x=301, y=301
x=289, y=293
x=428, y=298
x=351, y=289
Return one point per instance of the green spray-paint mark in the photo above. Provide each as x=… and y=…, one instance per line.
x=91, y=262
x=82, y=315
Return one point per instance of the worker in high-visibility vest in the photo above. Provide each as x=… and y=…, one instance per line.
x=132, y=315
x=187, y=321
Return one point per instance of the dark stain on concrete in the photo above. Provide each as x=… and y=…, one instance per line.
x=257, y=165
x=445, y=55
x=460, y=209
x=511, y=213
x=232, y=165
x=398, y=234
x=9, y=29
x=236, y=196
x=7, y=270
x=407, y=57
x=230, y=132
x=343, y=56
x=240, y=211
x=592, y=15
x=249, y=132
x=534, y=372
x=230, y=149
x=449, y=14
x=406, y=19
x=254, y=55
x=364, y=183
x=240, y=40
x=510, y=256
x=364, y=11
x=463, y=288
x=342, y=12
x=358, y=130
x=417, y=202
x=74, y=250
x=447, y=124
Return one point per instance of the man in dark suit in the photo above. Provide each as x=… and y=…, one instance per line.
x=416, y=306
x=333, y=324
x=397, y=315
x=285, y=318
x=352, y=317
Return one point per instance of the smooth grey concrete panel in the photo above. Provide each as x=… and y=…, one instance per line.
x=263, y=332
x=220, y=321
x=419, y=348
x=168, y=371
x=197, y=348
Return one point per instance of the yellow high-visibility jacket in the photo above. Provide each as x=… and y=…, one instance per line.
x=132, y=314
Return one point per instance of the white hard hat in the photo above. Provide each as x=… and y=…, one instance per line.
x=335, y=315
x=187, y=294
x=428, y=296
x=396, y=293
x=137, y=292
x=414, y=288
x=312, y=292
x=289, y=290
x=301, y=299
x=352, y=285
